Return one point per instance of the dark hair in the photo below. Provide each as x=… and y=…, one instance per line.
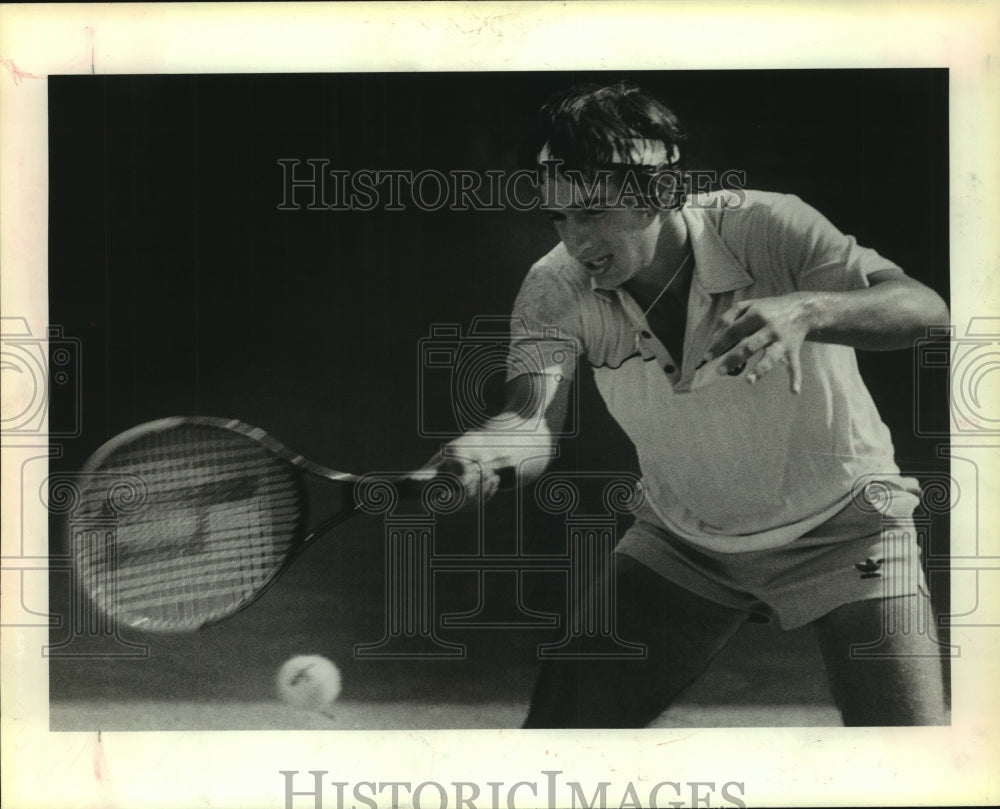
x=586, y=126
x=590, y=128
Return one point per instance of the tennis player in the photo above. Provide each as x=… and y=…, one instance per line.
x=721, y=330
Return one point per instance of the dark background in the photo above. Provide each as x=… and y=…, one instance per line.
x=193, y=294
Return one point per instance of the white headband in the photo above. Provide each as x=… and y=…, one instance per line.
x=641, y=152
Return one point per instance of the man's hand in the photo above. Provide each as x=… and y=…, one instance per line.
x=476, y=465
x=777, y=326
x=890, y=313
x=484, y=461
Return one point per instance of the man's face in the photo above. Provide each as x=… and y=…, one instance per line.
x=612, y=242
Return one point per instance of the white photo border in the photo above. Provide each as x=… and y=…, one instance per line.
x=787, y=766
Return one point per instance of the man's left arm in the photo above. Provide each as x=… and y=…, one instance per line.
x=827, y=288
x=891, y=313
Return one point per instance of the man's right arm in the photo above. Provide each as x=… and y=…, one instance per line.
x=515, y=446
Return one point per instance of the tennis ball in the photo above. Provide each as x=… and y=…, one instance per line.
x=309, y=682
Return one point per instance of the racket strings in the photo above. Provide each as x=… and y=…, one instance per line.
x=218, y=519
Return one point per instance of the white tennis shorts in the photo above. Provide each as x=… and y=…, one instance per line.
x=856, y=555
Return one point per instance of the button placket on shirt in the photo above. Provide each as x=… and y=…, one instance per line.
x=646, y=342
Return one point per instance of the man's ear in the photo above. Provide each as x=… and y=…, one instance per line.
x=669, y=181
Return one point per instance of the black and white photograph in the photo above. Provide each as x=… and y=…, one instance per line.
x=400, y=420
x=341, y=261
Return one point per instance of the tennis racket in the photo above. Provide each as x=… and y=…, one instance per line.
x=203, y=516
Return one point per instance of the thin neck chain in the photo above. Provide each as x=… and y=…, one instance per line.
x=665, y=288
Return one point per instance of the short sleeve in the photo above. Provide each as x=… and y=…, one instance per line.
x=546, y=325
x=802, y=242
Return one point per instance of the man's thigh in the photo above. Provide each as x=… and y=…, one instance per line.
x=884, y=662
x=681, y=631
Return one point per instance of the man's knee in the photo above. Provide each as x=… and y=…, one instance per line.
x=884, y=662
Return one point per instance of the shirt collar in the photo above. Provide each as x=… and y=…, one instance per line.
x=717, y=269
x=606, y=293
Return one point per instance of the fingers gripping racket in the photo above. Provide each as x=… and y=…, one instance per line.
x=219, y=512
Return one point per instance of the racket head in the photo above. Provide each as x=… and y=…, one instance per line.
x=185, y=521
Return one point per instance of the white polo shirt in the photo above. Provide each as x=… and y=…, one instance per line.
x=727, y=465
